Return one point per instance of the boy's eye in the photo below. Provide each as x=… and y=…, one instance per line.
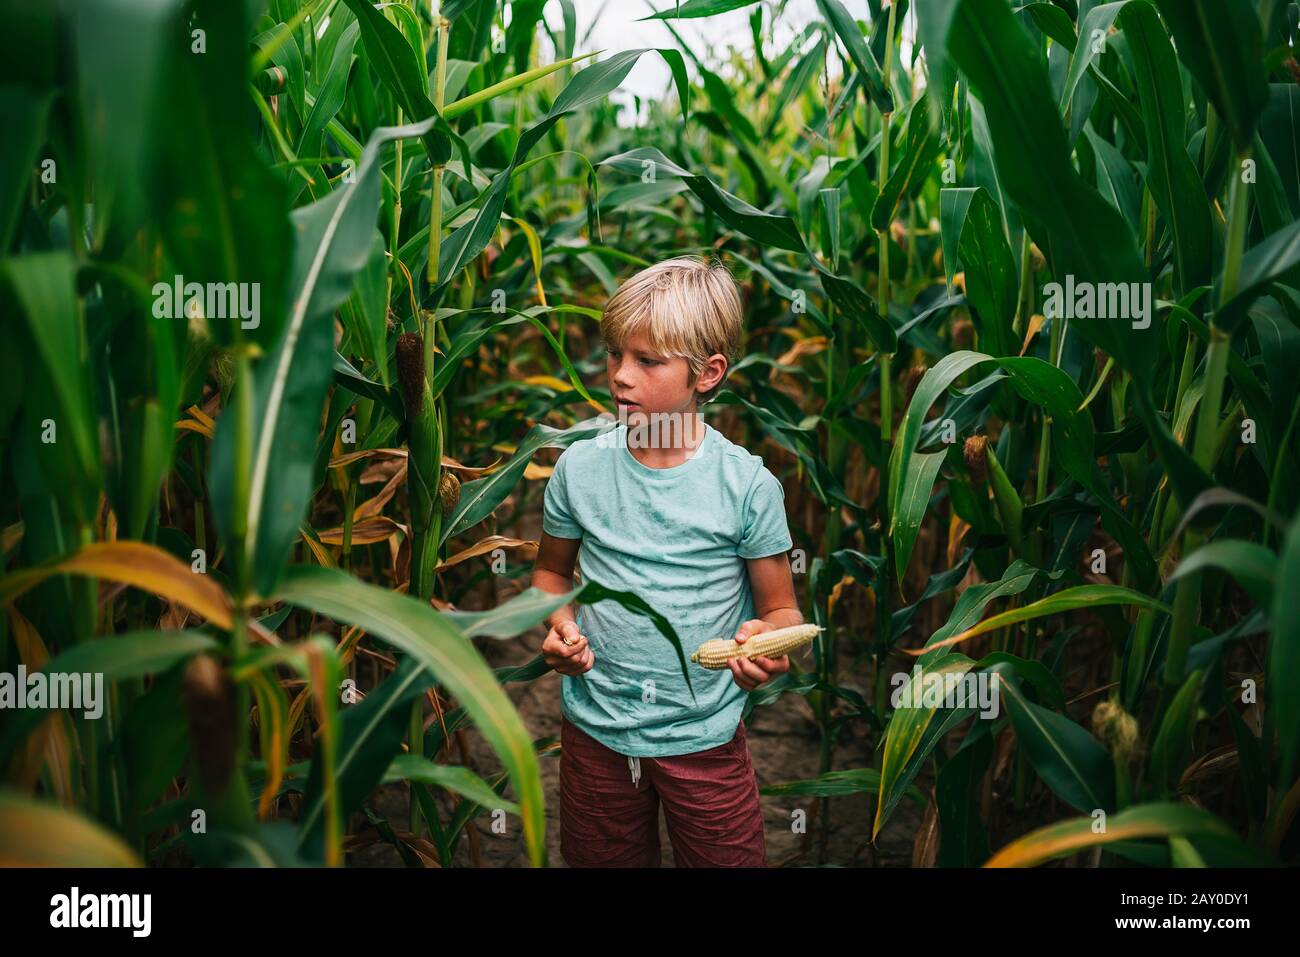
x=651, y=362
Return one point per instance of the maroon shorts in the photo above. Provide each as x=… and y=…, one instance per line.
x=609, y=805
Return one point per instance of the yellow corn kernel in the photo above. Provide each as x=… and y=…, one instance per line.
x=770, y=644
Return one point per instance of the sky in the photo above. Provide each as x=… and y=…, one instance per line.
x=614, y=27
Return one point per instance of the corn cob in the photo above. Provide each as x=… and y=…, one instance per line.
x=715, y=654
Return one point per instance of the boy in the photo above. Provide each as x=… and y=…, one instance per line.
x=695, y=526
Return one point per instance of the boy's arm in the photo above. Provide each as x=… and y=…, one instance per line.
x=553, y=572
x=773, y=587
x=777, y=607
x=564, y=648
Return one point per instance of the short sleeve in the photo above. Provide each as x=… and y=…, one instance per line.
x=764, y=530
x=557, y=519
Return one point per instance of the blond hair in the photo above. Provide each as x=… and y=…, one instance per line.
x=686, y=307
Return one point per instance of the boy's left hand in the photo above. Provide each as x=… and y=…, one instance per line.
x=750, y=673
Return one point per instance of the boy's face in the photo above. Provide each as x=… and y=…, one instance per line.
x=647, y=381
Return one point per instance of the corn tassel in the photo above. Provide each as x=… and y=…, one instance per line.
x=770, y=644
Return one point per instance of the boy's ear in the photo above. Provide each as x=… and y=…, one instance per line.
x=715, y=368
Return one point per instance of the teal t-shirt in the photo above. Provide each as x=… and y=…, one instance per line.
x=678, y=538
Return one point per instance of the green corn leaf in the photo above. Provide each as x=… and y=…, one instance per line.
x=921, y=145
x=852, y=301
x=22, y=127
x=1092, y=29
x=693, y=9
x=1069, y=760
x=1069, y=599
x=1173, y=179
x=971, y=226
x=335, y=240
x=458, y=780
x=912, y=502
x=516, y=82
x=370, y=734
x=479, y=498
x=1222, y=46
x=222, y=209
x=329, y=100
x=912, y=735
x=846, y=28
x=957, y=793
x=415, y=628
x=1284, y=664
x=117, y=658
x=1251, y=564
x=1274, y=260
x=402, y=69
x=1082, y=234
x=1173, y=739
x=770, y=229
x=464, y=245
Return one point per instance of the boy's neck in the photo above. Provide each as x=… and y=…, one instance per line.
x=671, y=440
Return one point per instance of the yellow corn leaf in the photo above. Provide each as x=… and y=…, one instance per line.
x=550, y=381
x=836, y=592
x=202, y=416
x=1158, y=820
x=449, y=463
x=373, y=506
x=132, y=563
x=321, y=553
x=194, y=425
x=347, y=648
x=379, y=528
x=804, y=347
x=489, y=544
x=957, y=529
x=350, y=457
x=262, y=634
x=535, y=249
x=37, y=834
x=48, y=746
x=1035, y=323
x=272, y=711
x=12, y=536
x=173, y=618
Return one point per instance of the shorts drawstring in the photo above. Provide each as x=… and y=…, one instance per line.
x=635, y=765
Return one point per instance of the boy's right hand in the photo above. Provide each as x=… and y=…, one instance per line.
x=568, y=659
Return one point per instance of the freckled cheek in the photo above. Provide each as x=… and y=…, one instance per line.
x=657, y=384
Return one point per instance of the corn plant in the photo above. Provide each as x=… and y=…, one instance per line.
x=302, y=289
